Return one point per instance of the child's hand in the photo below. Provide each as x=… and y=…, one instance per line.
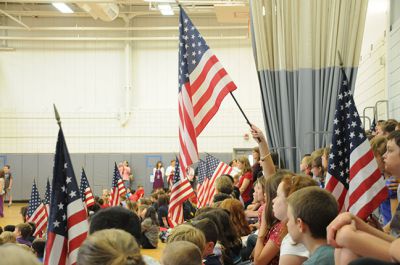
x=257, y=133
x=340, y=221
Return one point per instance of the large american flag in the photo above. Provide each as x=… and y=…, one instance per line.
x=86, y=191
x=353, y=176
x=117, y=188
x=68, y=225
x=203, y=84
x=181, y=190
x=215, y=169
x=37, y=211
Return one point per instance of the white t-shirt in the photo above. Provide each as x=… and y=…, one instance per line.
x=288, y=247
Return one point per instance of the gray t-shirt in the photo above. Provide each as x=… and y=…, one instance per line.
x=324, y=255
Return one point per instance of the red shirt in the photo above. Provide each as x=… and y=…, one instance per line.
x=246, y=195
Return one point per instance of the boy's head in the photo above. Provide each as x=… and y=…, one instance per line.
x=116, y=217
x=181, y=253
x=38, y=246
x=188, y=233
x=210, y=231
x=23, y=230
x=310, y=211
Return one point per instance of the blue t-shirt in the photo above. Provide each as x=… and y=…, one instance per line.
x=324, y=255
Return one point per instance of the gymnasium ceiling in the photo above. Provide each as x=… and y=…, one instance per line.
x=226, y=11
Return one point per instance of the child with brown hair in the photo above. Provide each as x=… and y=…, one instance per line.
x=181, y=253
x=303, y=207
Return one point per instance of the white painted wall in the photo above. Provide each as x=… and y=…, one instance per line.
x=371, y=83
x=394, y=70
x=86, y=81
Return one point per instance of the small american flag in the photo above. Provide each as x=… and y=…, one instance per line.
x=118, y=188
x=37, y=211
x=86, y=191
x=47, y=195
x=202, y=186
x=203, y=84
x=181, y=191
x=353, y=176
x=215, y=168
x=68, y=225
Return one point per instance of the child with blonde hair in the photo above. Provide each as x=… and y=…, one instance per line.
x=111, y=247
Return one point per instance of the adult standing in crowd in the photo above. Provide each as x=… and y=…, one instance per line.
x=169, y=172
x=8, y=182
x=2, y=192
x=126, y=174
x=158, y=173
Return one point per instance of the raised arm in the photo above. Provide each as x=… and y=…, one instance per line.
x=265, y=156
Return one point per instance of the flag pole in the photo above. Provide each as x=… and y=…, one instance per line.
x=244, y=115
x=57, y=115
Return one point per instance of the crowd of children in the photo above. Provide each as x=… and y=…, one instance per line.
x=261, y=215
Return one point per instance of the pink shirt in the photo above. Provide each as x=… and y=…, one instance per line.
x=126, y=172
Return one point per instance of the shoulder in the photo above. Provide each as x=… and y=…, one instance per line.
x=288, y=247
x=324, y=255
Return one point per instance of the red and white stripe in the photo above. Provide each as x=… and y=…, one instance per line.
x=117, y=192
x=220, y=170
x=180, y=192
x=60, y=247
x=202, y=193
x=39, y=217
x=188, y=153
x=366, y=185
x=89, y=198
x=209, y=84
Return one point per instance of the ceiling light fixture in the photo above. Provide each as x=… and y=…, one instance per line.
x=166, y=9
x=63, y=8
x=160, y=1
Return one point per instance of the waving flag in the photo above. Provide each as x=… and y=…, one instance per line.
x=47, y=195
x=68, y=225
x=203, y=84
x=202, y=184
x=37, y=211
x=118, y=188
x=215, y=169
x=180, y=192
x=353, y=176
x=86, y=191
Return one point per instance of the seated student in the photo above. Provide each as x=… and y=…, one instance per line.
x=238, y=218
x=181, y=253
x=229, y=243
x=304, y=206
x=355, y=237
x=163, y=210
x=268, y=243
x=318, y=171
x=38, y=247
x=7, y=237
x=306, y=164
x=253, y=214
x=210, y=231
x=9, y=228
x=290, y=253
x=12, y=254
x=150, y=229
x=22, y=233
x=186, y=232
x=119, y=218
x=110, y=246
x=116, y=217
